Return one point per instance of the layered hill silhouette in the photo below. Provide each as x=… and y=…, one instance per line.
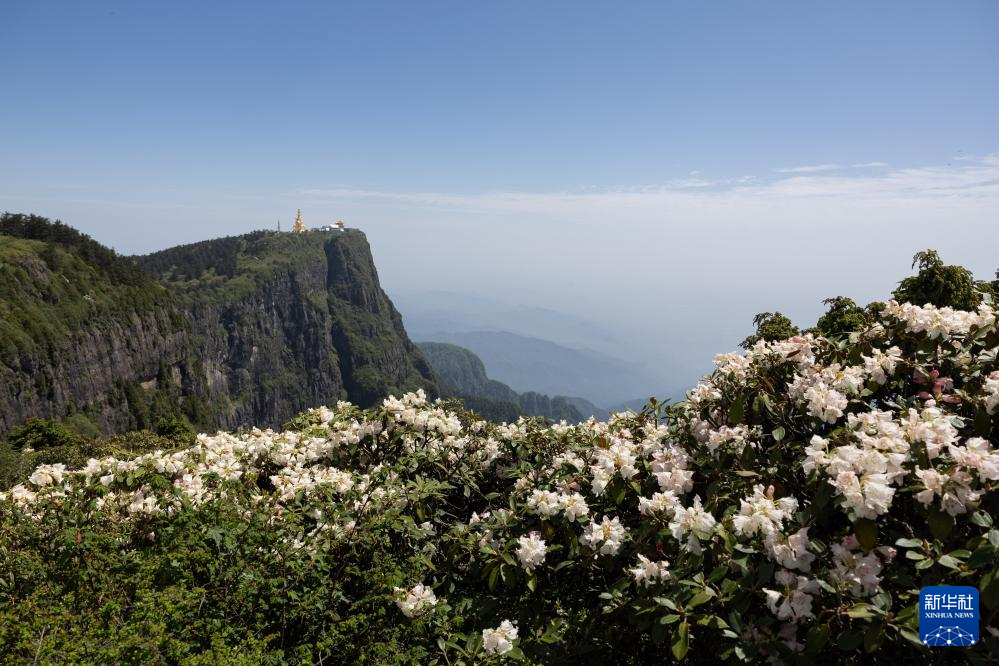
x=464, y=374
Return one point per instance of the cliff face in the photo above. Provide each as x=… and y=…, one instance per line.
x=89, y=374
x=234, y=332
x=294, y=322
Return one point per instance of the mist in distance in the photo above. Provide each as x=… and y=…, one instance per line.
x=663, y=277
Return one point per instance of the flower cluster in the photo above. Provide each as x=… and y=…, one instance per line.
x=416, y=600
x=768, y=502
x=499, y=640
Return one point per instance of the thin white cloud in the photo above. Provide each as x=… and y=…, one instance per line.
x=686, y=183
x=868, y=165
x=808, y=168
x=971, y=181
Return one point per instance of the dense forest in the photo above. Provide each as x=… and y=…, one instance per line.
x=56, y=235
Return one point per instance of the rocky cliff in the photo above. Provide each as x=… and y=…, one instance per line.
x=228, y=333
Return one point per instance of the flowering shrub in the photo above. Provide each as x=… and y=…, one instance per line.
x=789, y=510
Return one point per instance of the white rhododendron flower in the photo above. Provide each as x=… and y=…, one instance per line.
x=574, y=506
x=605, y=537
x=859, y=573
x=693, y=523
x=991, y=388
x=660, y=503
x=48, y=475
x=499, y=640
x=880, y=365
x=416, y=600
x=825, y=403
x=531, y=550
x=761, y=514
x=941, y=323
x=977, y=454
x=790, y=551
x=648, y=573
x=934, y=428
x=545, y=502
x=728, y=439
x=954, y=490
x=794, y=602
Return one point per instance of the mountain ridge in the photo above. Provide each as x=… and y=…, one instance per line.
x=227, y=332
x=527, y=363
x=464, y=373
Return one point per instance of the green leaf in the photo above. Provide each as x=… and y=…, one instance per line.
x=982, y=519
x=817, y=638
x=913, y=555
x=983, y=556
x=713, y=621
x=860, y=611
x=717, y=573
x=949, y=562
x=682, y=642
x=940, y=524
x=989, y=589
x=909, y=543
x=849, y=640
x=873, y=638
x=736, y=412
x=866, y=531
x=663, y=601
x=911, y=636
x=700, y=598
x=983, y=423
x=882, y=600
x=778, y=433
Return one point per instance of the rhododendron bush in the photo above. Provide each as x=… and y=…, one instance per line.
x=789, y=511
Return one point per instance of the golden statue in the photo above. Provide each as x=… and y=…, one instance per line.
x=299, y=227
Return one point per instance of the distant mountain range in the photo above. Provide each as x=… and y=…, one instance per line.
x=464, y=373
x=536, y=349
x=432, y=311
x=540, y=365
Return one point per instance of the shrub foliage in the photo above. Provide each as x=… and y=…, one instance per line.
x=789, y=510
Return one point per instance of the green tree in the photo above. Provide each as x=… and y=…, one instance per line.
x=939, y=284
x=40, y=434
x=843, y=316
x=175, y=429
x=770, y=326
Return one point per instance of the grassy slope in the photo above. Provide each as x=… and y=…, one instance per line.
x=47, y=292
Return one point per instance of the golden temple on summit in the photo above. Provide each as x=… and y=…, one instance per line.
x=299, y=227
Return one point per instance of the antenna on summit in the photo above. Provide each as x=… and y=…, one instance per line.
x=279, y=225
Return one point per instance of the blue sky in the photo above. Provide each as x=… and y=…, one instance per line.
x=558, y=153
x=204, y=97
